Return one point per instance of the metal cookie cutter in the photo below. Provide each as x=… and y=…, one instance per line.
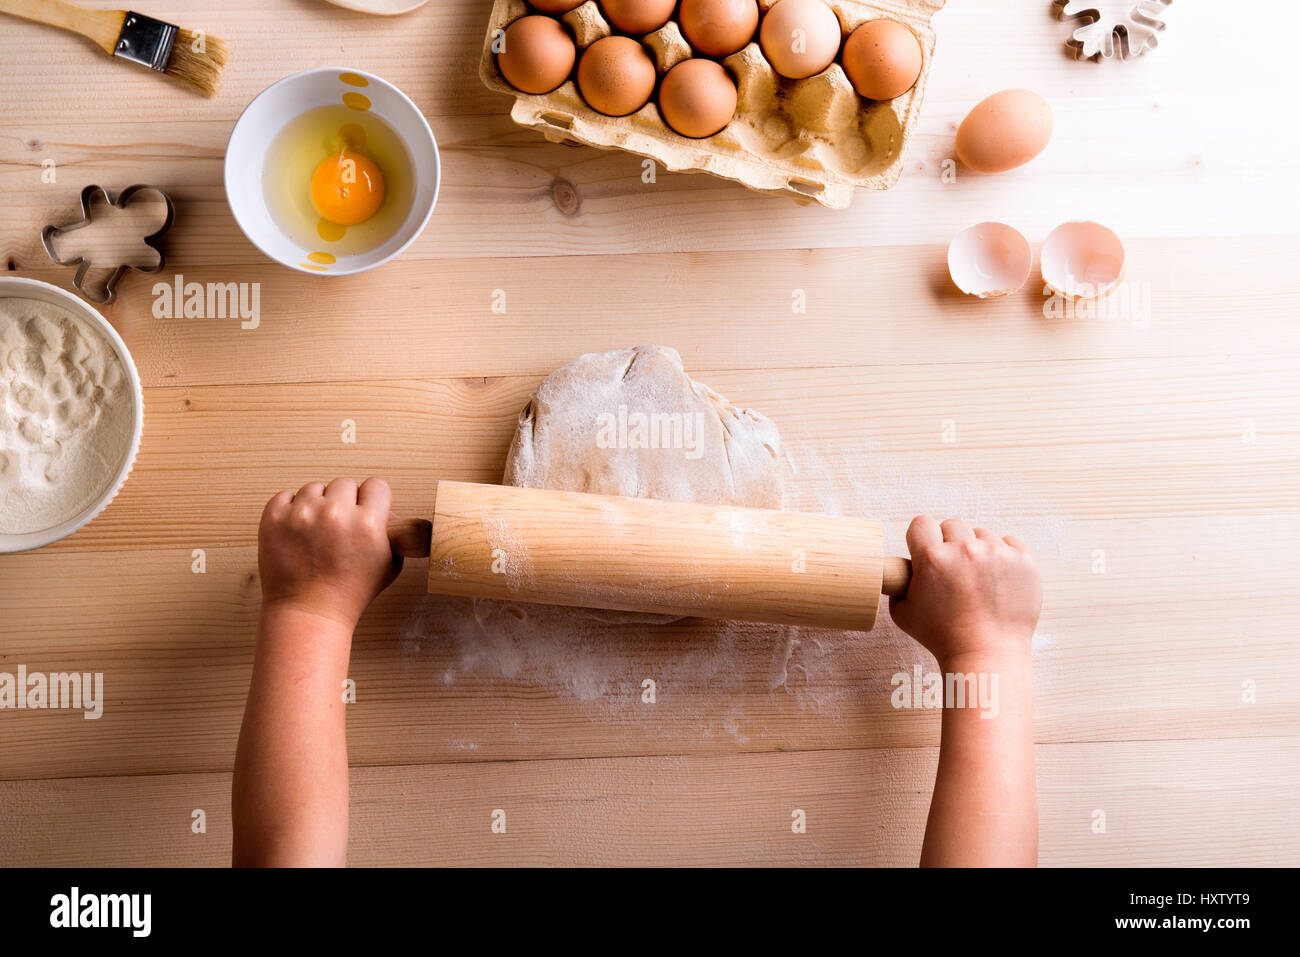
x=1112, y=29
x=83, y=265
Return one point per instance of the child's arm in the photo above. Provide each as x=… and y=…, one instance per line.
x=973, y=602
x=323, y=556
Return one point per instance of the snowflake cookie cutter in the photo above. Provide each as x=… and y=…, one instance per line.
x=1112, y=29
x=109, y=293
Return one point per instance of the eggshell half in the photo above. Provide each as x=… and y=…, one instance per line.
x=1082, y=260
x=1004, y=131
x=989, y=260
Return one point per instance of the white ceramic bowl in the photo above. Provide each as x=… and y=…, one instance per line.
x=284, y=100
x=13, y=287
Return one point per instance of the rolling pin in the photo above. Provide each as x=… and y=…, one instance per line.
x=644, y=555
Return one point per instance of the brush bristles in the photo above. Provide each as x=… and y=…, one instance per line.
x=198, y=59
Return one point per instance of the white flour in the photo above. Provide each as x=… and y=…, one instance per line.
x=66, y=411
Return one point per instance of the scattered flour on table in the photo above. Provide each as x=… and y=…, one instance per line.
x=66, y=413
x=702, y=665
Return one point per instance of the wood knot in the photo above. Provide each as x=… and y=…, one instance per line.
x=566, y=197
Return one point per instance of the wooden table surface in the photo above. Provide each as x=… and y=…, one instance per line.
x=1152, y=461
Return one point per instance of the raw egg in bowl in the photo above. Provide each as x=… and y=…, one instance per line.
x=332, y=171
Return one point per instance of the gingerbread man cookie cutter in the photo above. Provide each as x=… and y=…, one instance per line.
x=49, y=233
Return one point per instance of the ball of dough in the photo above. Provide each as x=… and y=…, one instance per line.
x=633, y=423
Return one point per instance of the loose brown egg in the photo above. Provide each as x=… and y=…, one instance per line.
x=537, y=54
x=800, y=37
x=637, y=16
x=882, y=59
x=697, y=98
x=557, y=6
x=616, y=76
x=1004, y=131
x=718, y=27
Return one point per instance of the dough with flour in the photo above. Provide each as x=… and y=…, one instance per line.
x=633, y=423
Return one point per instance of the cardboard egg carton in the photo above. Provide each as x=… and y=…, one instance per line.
x=814, y=140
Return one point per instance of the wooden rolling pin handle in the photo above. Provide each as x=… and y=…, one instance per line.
x=897, y=576
x=410, y=538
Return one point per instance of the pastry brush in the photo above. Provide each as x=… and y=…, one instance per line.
x=193, y=58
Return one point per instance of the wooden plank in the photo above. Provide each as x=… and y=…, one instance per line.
x=1155, y=647
x=863, y=307
x=1191, y=803
x=1141, y=139
x=1109, y=439
x=1167, y=450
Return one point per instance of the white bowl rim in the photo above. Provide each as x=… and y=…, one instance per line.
x=11, y=544
x=433, y=142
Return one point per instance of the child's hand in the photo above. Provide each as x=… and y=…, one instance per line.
x=971, y=592
x=325, y=551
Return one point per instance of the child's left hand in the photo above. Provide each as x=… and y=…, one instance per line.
x=325, y=550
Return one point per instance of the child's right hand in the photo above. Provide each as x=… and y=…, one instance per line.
x=325, y=550
x=971, y=591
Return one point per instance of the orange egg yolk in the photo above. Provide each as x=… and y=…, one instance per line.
x=347, y=188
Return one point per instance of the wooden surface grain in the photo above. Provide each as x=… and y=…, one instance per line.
x=1152, y=460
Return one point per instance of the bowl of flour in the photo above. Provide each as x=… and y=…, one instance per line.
x=71, y=413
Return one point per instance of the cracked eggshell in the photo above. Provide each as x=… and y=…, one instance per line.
x=1082, y=260
x=989, y=260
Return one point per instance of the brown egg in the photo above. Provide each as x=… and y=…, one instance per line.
x=718, y=27
x=637, y=16
x=557, y=6
x=800, y=37
x=1004, y=131
x=537, y=54
x=697, y=98
x=882, y=59
x=616, y=76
